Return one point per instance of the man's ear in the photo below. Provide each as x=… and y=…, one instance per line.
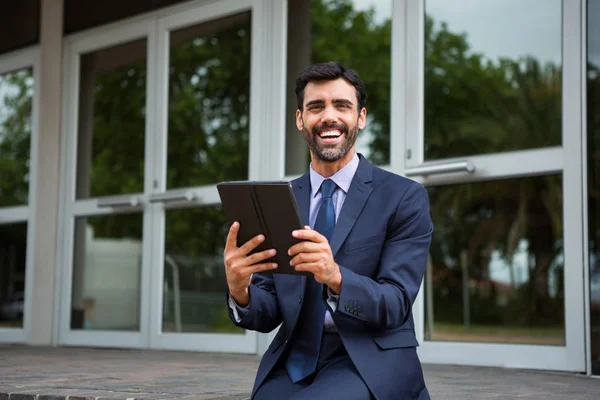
x=299, y=122
x=362, y=118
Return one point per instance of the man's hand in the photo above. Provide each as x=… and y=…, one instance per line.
x=314, y=255
x=239, y=267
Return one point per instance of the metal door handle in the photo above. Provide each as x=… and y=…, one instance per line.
x=179, y=196
x=119, y=201
x=441, y=168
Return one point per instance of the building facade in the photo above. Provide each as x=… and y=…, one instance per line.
x=117, y=120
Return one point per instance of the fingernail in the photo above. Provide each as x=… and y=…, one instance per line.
x=273, y=265
x=235, y=224
x=295, y=233
x=272, y=252
x=261, y=237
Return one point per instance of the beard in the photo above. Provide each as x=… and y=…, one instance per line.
x=331, y=153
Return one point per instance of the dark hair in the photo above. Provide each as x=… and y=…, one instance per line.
x=330, y=71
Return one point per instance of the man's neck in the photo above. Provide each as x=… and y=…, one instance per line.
x=329, y=168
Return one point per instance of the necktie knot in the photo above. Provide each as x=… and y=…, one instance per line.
x=327, y=188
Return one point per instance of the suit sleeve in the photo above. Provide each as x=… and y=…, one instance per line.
x=386, y=302
x=262, y=314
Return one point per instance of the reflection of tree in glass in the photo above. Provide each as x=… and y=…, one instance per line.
x=593, y=148
x=352, y=37
x=15, y=136
x=209, y=104
x=471, y=108
x=474, y=107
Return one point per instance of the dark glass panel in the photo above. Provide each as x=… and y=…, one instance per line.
x=593, y=149
x=496, y=270
x=194, y=277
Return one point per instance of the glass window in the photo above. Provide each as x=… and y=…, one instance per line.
x=358, y=34
x=107, y=264
x=593, y=149
x=111, y=126
x=194, y=277
x=209, y=102
x=496, y=269
x=493, y=76
x=16, y=96
x=13, y=251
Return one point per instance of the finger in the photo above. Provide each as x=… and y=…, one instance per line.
x=304, y=258
x=231, y=242
x=258, y=257
x=313, y=267
x=251, y=244
x=309, y=234
x=260, y=268
x=304, y=247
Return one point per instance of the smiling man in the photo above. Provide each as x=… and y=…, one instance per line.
x=347, y=330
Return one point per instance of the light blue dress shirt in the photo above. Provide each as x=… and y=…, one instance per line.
x=343, y=179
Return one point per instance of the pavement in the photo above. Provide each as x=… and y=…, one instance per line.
x=47, y=373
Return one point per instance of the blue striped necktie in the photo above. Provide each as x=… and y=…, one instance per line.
x=304, y=353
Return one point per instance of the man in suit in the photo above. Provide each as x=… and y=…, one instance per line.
x=347, y=330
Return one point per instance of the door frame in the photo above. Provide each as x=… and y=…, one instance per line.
x=565, y=159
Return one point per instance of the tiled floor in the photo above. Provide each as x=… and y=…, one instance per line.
x=46, y=373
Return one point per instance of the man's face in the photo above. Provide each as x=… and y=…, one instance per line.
x=331, y=120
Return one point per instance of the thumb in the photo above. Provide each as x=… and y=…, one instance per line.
x=307, y=227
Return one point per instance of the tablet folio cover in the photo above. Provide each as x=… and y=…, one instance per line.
x=264, y=207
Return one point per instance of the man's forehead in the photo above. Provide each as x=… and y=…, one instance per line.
x=337, y=89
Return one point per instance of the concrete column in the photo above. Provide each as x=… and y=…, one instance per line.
x=46, y=204
x=299, y=57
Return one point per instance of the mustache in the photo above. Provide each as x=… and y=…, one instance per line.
x=343, y=128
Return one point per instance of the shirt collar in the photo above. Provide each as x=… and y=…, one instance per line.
x=342, y=178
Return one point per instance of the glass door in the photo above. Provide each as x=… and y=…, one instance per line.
x=205, y=123
x=106, y=175
x=495, y=136
x=18, y=144
x=159, y=112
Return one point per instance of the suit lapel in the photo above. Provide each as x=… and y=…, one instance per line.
x=301, y=188
x=358, y=193
x=302, y=193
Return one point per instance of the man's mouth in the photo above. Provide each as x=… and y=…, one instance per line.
x=330, y=136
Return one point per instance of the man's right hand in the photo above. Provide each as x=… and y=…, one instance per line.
x=239, y=266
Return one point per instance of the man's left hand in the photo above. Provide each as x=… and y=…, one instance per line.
x=314, y=255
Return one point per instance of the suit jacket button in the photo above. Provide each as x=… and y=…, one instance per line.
x=300, y=299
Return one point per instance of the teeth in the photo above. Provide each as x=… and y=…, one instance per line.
x=330, y=134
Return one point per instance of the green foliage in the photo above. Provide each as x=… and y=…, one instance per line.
x=352, y=37
x=15, y=136
x=472, y=106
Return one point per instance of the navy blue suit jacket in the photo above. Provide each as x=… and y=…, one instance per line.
x=381, y=243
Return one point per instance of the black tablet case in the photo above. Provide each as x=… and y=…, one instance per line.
x=269, y=208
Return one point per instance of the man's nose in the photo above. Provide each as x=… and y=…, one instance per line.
x=329, y=116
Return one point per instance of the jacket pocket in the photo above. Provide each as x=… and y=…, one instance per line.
x=366, y=242
x=398, y=339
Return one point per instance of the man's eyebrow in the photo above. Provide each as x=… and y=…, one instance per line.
x=310, y=103
x=335, y=101
x=342, y=101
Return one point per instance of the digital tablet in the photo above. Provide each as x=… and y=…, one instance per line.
x=269, y=208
